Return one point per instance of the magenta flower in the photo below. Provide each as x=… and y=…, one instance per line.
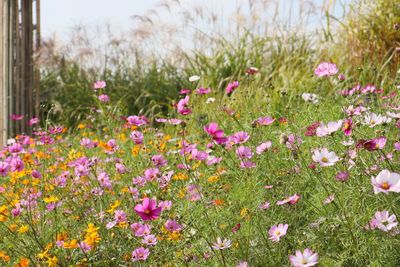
x=247, y=164
x=373, y=144
x=231, y=87
x=148, y=210
x=306, y=258
x=217, y=134
x=277, y=231
x=99, y=84
x=182, y=106
x=33, y=121
x=348, y=127
x=386, y=182
x=16, y=117
x=203, y=91
x=326, y=69
x=140, y=254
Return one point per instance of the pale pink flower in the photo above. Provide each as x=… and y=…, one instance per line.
x=244, y=152
x=326, y=69
x=277, y=231
x=222, y=244
x=99, y=84
x=386, y=182
x=306, y=258
x=182, y=106
x=149, y=240
x=140, y=254
x=383, y=221
x=263, y=146
x=328, y=129
x=291, y=200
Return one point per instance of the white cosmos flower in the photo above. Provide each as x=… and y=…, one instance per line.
x=313, y=98
x=324, y=157
x=386, y=182
x=327, y=129
x=194, y=78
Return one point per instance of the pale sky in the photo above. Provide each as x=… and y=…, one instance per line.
x=60, y=15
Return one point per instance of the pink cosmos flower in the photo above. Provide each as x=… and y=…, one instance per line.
x=263, y=121
x=277, y=231
x=386, y=182
x=247, y=164
x=104, y=180
x=324, y=157
x=159, y=160
x=222, y=244
x=326, y=69
x=17, y=164
x=150, y=240
x=85, y=247
x=16, y=117
x=184, y=91
x=140, y=254
x=328, y=129
x=165, y=205
x=291, y=200
x=342, y=176
x=136, y=120
x=216, y=133
x=99, y=84
x=263, y=147
x=148, y=210
x=312, y=129
x=329, y=199
x=383, y=221
x=306, y=258
x=373, y=144
x=137, y=137
x=104, y=98
x=264, y=206
x=172, y=226
x=182, y=106
x=240, y=137
x=33, y=121
x=203, y=91
x=231, y=87
x=348, y=127
x=244, y=152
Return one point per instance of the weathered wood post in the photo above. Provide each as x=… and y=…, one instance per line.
x=4, y=28
x=19, y=79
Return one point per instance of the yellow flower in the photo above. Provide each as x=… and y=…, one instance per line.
x=81, y=126
x=4, y=256
x=50, y=199
x=135, y=150
x=180, y=176
x=213, y=179
x=114, y=206
x=52, y=262
x=23, y=229
x=72, y=244
x=43, y=255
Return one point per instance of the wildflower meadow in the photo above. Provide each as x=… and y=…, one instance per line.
x=278, y=164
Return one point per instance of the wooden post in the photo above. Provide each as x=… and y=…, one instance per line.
x=3, y=71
